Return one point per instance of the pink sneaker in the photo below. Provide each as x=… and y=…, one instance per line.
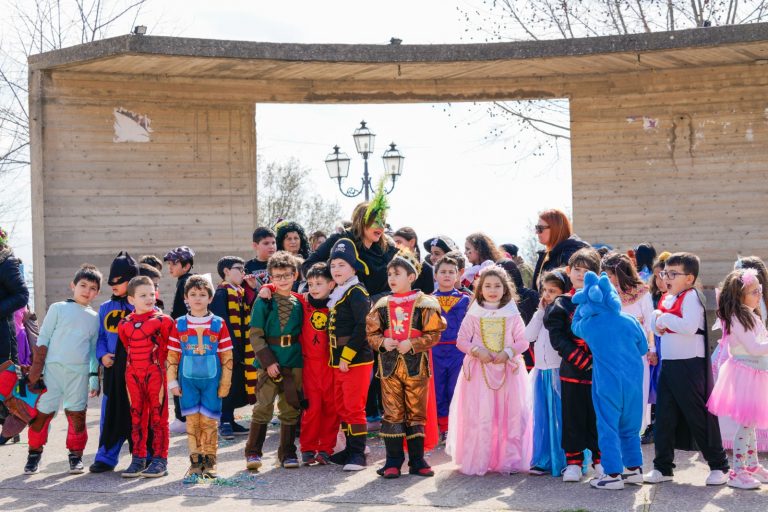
x=759, y=473
x=742, y=480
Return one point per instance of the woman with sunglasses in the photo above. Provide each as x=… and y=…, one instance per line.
x=555, y=234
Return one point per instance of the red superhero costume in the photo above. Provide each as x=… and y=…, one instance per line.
x=145, y=338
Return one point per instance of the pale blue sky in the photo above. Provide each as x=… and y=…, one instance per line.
x=454, y=181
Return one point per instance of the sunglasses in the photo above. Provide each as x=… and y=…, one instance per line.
x=540, y=229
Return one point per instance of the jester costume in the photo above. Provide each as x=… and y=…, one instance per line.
x=145, y=339
x=415, y=317
x=200, y=364
x=275, y=327
x=66, y=354
x=445, y=356
x=618, y=343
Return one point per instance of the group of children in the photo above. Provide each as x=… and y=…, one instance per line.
x=451, y=361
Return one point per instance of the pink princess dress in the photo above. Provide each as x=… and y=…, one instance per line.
x=490, y=420
x=742, y=380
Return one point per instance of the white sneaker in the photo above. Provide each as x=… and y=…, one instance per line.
x=655, y=477
x=743, y=480
x=759, y=473
x=352, y=467
x=178, y=427
x=598, y=471
x=572, y=473
x=612, y=483
x=717, y=477
x=634, y=476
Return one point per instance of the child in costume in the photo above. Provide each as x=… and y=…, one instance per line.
x=275, y=327
x=656, y=288
x=319, y=421
x=200, y=373
x=490, y=425
x=742, y=382
x=115, y=424
x=685, y=382
x=636, y=301
x=351, y=356
x=445, y=356
x=401, y=328
x=229, y=303
x=256, y=274
x=548, y=454
x=66, y=356
x=144, y=335
x=180, y=262
x=579, y=420
x=618, y=343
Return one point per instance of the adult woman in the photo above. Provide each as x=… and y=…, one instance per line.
x=406, y=237
x=291, y=237
x=317, y=239
x=556, y=235
x=13, y=296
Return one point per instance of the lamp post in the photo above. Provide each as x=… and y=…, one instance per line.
x=337, y=163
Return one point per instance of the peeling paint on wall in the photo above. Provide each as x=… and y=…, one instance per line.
x=131, y=127
x=650, y=123
x=749, y=134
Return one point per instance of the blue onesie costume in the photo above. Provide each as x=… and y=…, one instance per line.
x=617, y=342
x=446, y=358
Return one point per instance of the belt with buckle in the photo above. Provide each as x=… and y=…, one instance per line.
x=286, y=340
x=339, y=341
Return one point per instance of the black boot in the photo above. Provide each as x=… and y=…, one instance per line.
x=286, y=452
x=395, y=457
x=416, y=463
x=33, y=463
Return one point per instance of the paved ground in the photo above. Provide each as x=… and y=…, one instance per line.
x=328, y=488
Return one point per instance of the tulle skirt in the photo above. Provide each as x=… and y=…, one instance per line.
x=740, y=391
x=490, y=424
x=547, y=421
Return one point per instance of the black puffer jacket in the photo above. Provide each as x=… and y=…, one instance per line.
x=13, y=295
x=558, y=257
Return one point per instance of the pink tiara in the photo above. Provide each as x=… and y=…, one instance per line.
x=748, y=277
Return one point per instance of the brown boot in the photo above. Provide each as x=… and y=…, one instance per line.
x=286, y=452
x=196, y=468
x=254, y=445
x=209, y=466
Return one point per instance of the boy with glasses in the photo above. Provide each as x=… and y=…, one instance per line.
x=229, y=303
x=685, y=382
x=275, y=327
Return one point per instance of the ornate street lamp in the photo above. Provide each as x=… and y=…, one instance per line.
x=337, y=163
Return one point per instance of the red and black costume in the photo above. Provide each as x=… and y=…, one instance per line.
x=579, y=420
x=145, y=338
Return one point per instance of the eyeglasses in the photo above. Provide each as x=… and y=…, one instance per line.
x=757, y=292
x=540, y=229
x=239, y=269
x=281, y=277
x=671, y=274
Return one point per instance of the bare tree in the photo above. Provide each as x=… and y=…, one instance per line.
x=284, y=191
x=547, y=121
x=37, y=26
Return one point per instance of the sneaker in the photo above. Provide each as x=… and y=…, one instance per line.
x=225, y=432
x=253, y=462
x=389, y=473
x=209, y=467
x=157, y=468
x=443, y=437
x=196, y=466
x=572, y=473
x=742, y=480
x=33, y=463
x=308, y=458
x=717, y=477
x=612, y=483
x=355, y=462
x=537, y=471
x=291, y=463
x=322, y=458
x=138, y=464
x=759, y=473
x=100, y=467
x=633, y=476
x=238, y=429
x=655, y=477
x=598, y=471
x=76, y=464
x=178, y=427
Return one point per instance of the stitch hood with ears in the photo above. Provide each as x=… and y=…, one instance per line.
x=618, y=343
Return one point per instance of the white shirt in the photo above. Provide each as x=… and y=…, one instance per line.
x=642, y=310
x=547, y=357
x=684, y=343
